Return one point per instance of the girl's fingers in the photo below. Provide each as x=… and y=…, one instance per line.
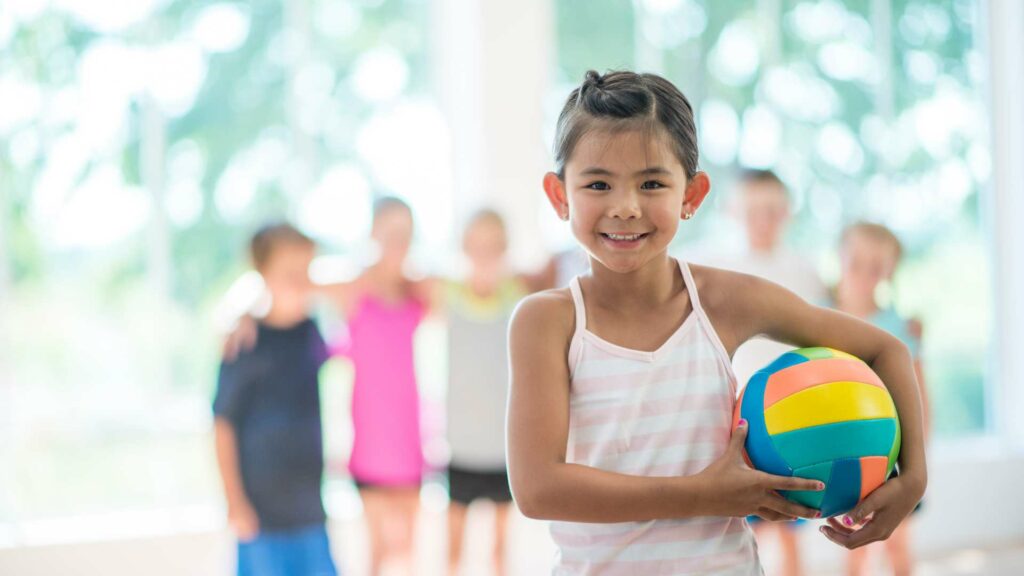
x=791, y=509
x=839, y=527
x=739, y=436
x=773, y=516
x=869, y=506
x=792, y=483
x=872, y=532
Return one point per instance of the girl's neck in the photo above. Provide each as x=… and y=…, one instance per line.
x=387, y=281
x=653, y=284
x=856, y=303
x=483, y=280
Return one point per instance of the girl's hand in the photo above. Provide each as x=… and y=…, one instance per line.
x=735, y=489
x=244, y=521
x=241, y=338
x=878, y=515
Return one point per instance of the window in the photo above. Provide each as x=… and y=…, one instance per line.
x=139, y=146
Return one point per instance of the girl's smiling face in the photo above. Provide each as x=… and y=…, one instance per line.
x=623, y=193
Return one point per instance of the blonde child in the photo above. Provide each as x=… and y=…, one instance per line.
x=478, y=308
x=622, y=391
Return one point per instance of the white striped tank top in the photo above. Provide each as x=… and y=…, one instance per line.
x=661, y=413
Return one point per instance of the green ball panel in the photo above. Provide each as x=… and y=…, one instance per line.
x=828, y=442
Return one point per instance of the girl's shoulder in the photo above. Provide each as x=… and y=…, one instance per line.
x=718, y=287
x=548, y=313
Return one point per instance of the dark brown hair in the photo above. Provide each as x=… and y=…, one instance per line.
x=271, y=237
x=623, y=100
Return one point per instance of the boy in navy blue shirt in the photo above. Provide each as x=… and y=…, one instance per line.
x=267, y=422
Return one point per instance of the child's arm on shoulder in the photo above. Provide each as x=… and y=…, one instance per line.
x=546, y=486
x=761, y=307
x=241, y=514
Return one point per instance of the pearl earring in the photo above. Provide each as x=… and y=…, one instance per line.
x=687, y=215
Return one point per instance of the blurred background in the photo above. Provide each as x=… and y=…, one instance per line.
x=141, y=143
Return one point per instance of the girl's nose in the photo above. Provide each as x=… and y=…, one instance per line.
x=625, y=205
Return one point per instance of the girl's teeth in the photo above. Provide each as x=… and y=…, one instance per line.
x=623, y=236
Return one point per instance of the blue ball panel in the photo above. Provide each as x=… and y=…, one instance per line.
x=785, y=361
x=842, y=491
x=760, y=449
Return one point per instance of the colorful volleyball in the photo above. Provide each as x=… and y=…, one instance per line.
x=823, y=414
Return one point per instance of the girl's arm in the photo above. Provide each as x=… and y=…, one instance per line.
x=761, y=307
x=546, y=486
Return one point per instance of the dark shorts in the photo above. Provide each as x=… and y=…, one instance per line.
x=303, y=551
x=371, y=485
x=465, y=486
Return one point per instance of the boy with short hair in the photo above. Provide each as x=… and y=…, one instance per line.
x=267, y=422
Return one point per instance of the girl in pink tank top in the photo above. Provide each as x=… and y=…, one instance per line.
x=383, y=309
x=621, y=398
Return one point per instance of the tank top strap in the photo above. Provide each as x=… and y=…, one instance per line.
x=576, y=344
x=698, y=309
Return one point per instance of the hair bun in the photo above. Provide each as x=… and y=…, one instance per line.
x=594, y=78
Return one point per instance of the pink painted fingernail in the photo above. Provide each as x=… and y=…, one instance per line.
x=847, y=521
x=821, y=485
x=743, y=422
x=817, y=514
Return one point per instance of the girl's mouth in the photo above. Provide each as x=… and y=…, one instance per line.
x=624, y=240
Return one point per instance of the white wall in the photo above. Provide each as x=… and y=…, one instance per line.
x=492, y=63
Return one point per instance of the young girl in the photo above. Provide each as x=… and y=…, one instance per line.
x=383, y=308
x=868, y=255
x=478, y=308
x=621, y=387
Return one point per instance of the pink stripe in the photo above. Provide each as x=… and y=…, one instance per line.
x=697, y=565
x=681, y=373
x=656, y=440
x=651, y=534
x=682, y=467
x=689, y=403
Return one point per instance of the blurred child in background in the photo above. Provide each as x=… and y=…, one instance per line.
x=761, y=204
x=478, y=308
x=383, y=308
x=267, y=422
x=868, y=255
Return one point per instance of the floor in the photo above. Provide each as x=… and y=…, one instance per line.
x=531, y=551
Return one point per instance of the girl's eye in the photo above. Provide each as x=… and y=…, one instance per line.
x=651, y=185
x=598, y=186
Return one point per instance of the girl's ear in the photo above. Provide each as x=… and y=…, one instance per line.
x=696, y=191
x=554, y=188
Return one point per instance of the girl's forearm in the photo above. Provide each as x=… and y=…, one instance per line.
x=576, y=493
x=895, y=367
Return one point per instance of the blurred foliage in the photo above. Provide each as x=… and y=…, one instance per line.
x=807, y=91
